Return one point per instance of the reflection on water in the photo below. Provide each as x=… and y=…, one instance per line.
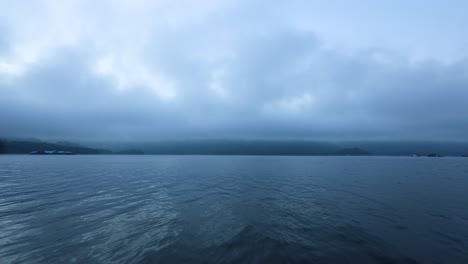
x=221, y=209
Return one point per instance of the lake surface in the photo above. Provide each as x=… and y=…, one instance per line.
x=233, y=209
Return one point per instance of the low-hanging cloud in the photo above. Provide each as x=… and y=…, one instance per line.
x=155, y=69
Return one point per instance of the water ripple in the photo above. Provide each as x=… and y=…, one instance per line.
x=209, y=209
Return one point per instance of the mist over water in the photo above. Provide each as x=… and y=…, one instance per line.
x=226, y=209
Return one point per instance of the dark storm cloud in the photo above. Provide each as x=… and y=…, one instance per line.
x=62, y=98
x=210, y=75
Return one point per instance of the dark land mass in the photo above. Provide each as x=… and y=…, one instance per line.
x=352, y=152
x=2, y=147
x=25, y=147
x=245, y=147
x=240, y=147
x=130, y=152
x=296, y=148
x=408, y=148
x=202, y=147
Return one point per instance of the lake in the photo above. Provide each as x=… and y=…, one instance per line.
x=232, y=209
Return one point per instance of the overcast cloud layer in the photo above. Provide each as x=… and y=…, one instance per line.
x=136, y=69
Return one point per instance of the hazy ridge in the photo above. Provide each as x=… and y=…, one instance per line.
x=245, y=147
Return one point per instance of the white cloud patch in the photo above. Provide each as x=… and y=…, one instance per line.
x=291, y=105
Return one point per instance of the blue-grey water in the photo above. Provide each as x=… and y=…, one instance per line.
x=233, y=209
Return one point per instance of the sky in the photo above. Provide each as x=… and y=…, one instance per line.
x=159, y=69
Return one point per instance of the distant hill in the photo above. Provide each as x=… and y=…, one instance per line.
x=239, y=147
x=68, y=144
x=408, y=148
x=2, y=146
x=352, y=152
x=245, y=147
x=25, y=147
x=130, y=152
x=235, y=147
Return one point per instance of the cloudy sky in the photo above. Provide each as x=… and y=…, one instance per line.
x=155, y=69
